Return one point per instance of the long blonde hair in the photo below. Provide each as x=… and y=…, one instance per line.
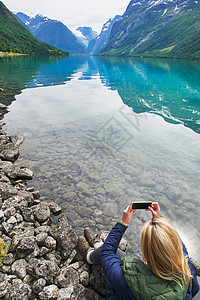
x=162, y=251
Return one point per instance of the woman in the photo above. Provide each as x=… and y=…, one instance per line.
x=166, y=272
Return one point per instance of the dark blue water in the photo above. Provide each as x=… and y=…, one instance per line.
x=101, y=132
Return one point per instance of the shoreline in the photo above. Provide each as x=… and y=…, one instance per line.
x=43, y=261
x=11, y=54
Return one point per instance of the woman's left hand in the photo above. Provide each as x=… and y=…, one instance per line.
x=127, y=215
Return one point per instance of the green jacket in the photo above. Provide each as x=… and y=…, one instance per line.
x=146, y=286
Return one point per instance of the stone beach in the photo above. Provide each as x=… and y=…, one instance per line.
x=43, y=261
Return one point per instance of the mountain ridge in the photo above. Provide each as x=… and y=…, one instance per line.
x=52, y=32
x=15, y=38
x=100, y=41
x=156, y=29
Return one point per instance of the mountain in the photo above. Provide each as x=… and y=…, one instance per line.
x=22, y=18
x=85, y=35
x=52, y=32
x=15, y=38
x=100, y=41
x=162, y=28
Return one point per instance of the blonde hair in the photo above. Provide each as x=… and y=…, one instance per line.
x=162, y=251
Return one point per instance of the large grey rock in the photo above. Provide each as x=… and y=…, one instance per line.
x=42, y=229
x=27, y=214
x=3, y=289
x=9, y=212
x=41, y=268
x=12, y=220
x=16, y=172
x=41, y=212
x=36, y=194
x=23, y=229
x=67, y=277
x=3, y=285
x=14, y=201
x=7, y=190
x=98, y=280
x=70, y=258
x=18, y=268
x=17, y=139
x=7, y=228
x=19, y=217
x=38, y=285
x=9, y=147
x=19, y=200
x=28, y=279
x=50, y=292
x=23, y=239
x=9, y=259
x=83, y=293
x=55, y=257
x=43, y=251
x=50, y=243
x=65, y=236
x=41, y=237
x=26, y=196
x=4, y=165
x=26, y=245
x=4, y=178
x=66, y=293
x=84, y=278
x=18, y=291
x=55, y=208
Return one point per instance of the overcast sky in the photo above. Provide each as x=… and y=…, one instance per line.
x=73, y=13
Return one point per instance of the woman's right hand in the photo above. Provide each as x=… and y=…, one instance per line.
x=155, y=209
x=127, y=215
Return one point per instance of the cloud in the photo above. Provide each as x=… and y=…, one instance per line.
x=73, y=13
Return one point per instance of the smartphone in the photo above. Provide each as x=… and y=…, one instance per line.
x=141, y=204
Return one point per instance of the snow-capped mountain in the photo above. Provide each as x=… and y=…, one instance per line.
x=85, y=35
x=100, y=41
x=22, y=17
x=162, y=28
x=52, y=32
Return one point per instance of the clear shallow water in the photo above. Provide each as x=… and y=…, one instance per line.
x=103, y=132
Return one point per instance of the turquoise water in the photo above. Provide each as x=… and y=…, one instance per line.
x=103, y=132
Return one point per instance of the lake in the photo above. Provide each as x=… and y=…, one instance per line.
x=101, y=132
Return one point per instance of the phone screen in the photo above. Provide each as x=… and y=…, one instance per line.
x=141, y=205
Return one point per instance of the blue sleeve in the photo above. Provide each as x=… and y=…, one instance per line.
x=195, y=284
x=111, y=264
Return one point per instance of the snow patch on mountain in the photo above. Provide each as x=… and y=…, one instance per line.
x=99, y=42
x=85, y=35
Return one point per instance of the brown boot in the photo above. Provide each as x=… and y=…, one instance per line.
x=83, y=246
x=90, y=236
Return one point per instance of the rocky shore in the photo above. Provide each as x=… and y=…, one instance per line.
x=42, y=260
